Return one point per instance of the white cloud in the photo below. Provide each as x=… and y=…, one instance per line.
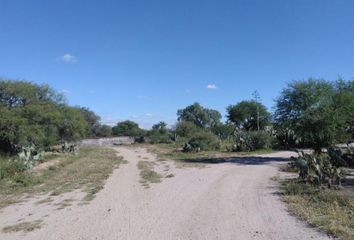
x=149, y=115
x=65, y=91
x=68, y=58
x=211, y=86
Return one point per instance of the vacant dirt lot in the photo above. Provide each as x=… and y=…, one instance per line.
x=233, y=200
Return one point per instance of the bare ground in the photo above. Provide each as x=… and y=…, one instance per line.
x=232, y=200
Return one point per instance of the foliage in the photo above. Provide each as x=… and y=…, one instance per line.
x=128, y=128
x=159, y=133
x=36, y=115
x=202, y=141
x=245, y=114
x=287, y=138
x=223, y=130
x=103, y=131
x=251, y=141
x=186, y=129
x=341, y=157
x=200, y=116
x=320, y=113
x=93, y=121
x=317, y=169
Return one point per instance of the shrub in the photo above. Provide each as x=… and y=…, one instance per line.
x=202, y=141
x=251, y=141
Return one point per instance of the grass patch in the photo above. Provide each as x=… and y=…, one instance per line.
x=327, y=209
x=24, y=226
x=147, y=173
x=87, y=171
x=196, y=159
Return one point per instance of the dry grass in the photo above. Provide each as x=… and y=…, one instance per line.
x=24, y=226
x=86, y=171
x=148, y=174
x=326, y=209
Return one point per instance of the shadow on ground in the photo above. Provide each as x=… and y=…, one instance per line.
x=237, y=160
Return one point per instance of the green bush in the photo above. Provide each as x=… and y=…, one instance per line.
x=251, y=141
x=203, y=141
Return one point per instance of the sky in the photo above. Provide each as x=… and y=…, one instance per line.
x=143, y=60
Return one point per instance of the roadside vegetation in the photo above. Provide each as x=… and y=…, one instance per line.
x=86, y=171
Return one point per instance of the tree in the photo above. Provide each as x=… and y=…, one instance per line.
x=319, y=112
x=159, y=133
x=200, y=116
x=245, y=115
x=93, y=121
x=223, y=130
x=127, y=128
x=33, y=114
x=104, y=131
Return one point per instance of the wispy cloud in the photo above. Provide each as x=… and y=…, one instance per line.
x=65, y=91
x=145, y=97
x=68, y=58
x=149, y=115
x=211, y=86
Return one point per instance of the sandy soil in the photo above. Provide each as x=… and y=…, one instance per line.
x=234, y=200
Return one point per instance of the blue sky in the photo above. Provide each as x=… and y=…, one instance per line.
x=143, y=60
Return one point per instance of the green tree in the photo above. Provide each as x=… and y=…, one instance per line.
x=159, y=133
x=93, y=121
x=245, y=115
x=36, y=114
x=200, y=116
x=319, y=112
x=128, y=128
x=223, y=130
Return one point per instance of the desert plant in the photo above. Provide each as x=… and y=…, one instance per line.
x=317, y=169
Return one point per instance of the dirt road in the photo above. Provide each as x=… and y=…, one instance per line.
x=234, y=200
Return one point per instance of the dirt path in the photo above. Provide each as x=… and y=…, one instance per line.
x=219, y=201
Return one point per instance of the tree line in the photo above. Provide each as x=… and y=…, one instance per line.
x=310, y=113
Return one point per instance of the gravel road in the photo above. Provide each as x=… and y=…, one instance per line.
x=233, y=200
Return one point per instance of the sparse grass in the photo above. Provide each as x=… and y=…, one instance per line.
x=147, y=173
x=24, y=226
x=65, y=203
x=43, y=201
x=327, y=209
x=86, y=171
x=173, y=152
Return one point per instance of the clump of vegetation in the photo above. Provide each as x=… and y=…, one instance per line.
x=159, y=134
x=316, y=112
x=202, y=141
x=24, y=226
x=252, y=141
x=317, y=169
x=128, y=128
